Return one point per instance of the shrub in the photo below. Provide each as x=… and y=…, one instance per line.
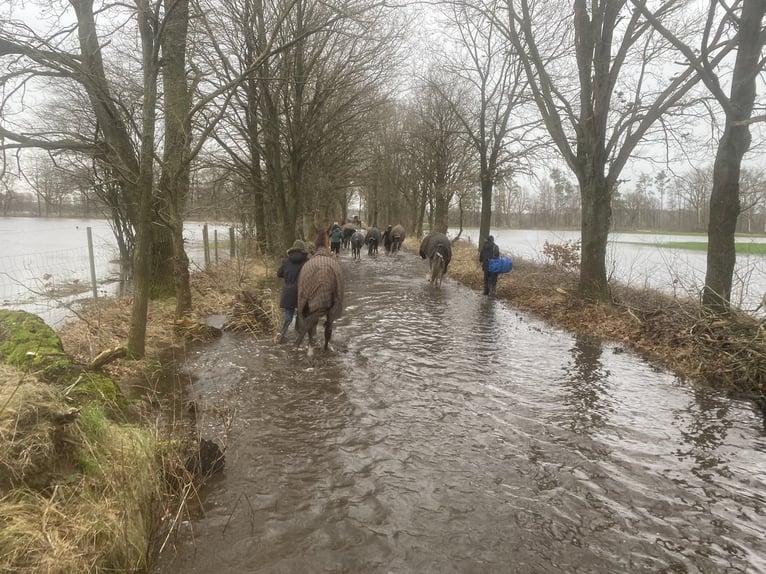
x=564, y=255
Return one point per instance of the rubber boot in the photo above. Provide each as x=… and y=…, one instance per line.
x=283, y=331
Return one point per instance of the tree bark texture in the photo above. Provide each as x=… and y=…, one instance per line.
x=142, y=258
x=176, y=164
x=734, y=143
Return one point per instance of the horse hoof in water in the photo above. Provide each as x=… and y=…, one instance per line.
x=310, y=351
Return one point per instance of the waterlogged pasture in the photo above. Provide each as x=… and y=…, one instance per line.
x=45, y=266
x=674, y=264
x=742, y=248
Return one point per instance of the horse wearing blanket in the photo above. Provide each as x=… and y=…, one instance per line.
x=372, y=239
x=357, y=240
x=436, y=247
x=397, y=238
x=320, y=293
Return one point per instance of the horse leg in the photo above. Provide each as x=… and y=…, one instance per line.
x=308, y=326
x=327, y=332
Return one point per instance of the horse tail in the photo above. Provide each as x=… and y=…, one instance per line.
x=437, y=267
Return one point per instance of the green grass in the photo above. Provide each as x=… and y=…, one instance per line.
x=742, y=248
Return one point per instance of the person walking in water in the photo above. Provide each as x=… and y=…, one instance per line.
x=289, y=270
x=336, y=236
x=387, y=239
x=489, y=251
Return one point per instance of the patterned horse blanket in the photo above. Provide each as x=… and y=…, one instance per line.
x=320, y=285
x=436, y=241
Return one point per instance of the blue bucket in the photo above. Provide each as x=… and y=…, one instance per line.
x=500, y=265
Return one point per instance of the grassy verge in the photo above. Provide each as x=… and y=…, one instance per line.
x=94, y=467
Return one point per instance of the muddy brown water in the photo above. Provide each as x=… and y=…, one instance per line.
x=449, y=433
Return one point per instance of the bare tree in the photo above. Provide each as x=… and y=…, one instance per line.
x=637, y=203
x=391, y=180
x=445, y=155
x=295, y=127
x=693, y=192
x=598, y=121
x=80, y=65
x=752, y=190
x=738, y=24
x=491, y=101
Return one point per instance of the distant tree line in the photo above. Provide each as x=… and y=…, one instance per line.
x=662, y=203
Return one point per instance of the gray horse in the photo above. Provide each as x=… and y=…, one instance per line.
x=357, y=240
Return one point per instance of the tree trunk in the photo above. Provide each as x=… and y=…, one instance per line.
x=174, y=182
x=724, y=210
x=162, y=281
x=441, y=211
x=256, y=188
x=724, y=199
x=596, y=217
x=142, y=192
x=142, y=260
x=485, y=223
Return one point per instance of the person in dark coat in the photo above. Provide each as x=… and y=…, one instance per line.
x=489, y=251
x=387, y=239
x=290, y=270
x=336, y=237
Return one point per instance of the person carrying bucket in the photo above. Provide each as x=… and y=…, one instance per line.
x=489, y=251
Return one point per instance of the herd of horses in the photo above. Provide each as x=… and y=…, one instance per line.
x=392, y=239
x=320, y=286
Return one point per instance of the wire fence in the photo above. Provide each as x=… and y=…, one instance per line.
x=47, y=283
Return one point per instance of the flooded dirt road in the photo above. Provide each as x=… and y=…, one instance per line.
x=448, y=433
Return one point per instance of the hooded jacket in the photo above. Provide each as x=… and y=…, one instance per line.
x=289, y=270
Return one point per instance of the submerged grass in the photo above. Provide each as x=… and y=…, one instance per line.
x=741, y=248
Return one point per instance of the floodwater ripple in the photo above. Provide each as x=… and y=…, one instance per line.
x=450, y=433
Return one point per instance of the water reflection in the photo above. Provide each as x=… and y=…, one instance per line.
x=586, y=390
x=703, y=425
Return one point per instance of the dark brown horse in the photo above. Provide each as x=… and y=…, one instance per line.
x=397, y=238
x=437, y=248
x=348, y=230
x=372, y=239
